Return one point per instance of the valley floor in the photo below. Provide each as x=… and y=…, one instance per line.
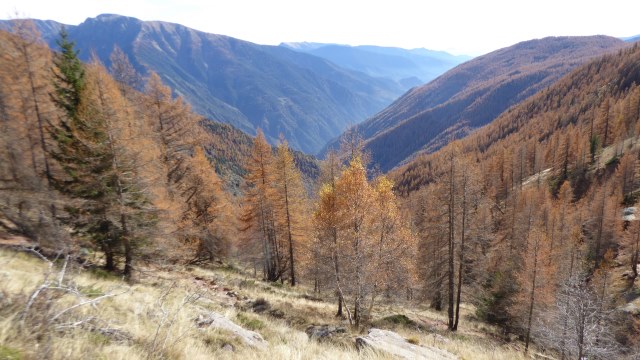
x=155, y=317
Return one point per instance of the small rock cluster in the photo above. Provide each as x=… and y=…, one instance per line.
x=322, y=333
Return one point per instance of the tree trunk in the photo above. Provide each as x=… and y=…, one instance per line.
x=9, y=149
x=128, y=251
x=275, y=255
x=43, y=144
x=598, y=243
x=451, y=241
x=27, y=54
x=357, y=312
x=606, y=124
x=291, y=262
x=634, y=256
x=34, y=163
x=532, y=295
x=110, y=264
x=461, y=258
x=581, y=334
x=373, y=300
x=265, y=247
x=336, y=268
x=436, y=296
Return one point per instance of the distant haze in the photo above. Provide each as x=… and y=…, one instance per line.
x=460, y=27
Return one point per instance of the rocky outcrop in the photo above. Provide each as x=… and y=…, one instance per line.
x=394, y=344
x=218, y=321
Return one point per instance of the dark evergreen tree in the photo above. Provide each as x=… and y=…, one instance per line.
x=79, y=153
x=68, y=77
x=108, y=201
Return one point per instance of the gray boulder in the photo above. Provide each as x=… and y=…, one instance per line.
x=219, y=321
x=394, y=344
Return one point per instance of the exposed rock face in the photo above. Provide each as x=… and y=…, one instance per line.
x=219, y=321
x=396, y=345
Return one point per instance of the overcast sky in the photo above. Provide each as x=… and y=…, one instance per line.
x=471, y=27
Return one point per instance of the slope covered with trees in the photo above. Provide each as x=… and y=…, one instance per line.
x=308, y=99
x=123, y=175
x=472, y=95
x=527, y=212
x=121, y=168
x=99, y=139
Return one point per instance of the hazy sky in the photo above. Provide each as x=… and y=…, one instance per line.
x=459, y=26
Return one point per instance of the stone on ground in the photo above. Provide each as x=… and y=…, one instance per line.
x=394, y=344
x=219, y=321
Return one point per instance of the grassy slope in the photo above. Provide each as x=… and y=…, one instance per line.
x=138, y=312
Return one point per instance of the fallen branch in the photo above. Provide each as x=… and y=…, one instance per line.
x=88, y=302
x=59, y=285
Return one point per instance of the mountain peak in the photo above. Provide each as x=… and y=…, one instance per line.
x=107, y=18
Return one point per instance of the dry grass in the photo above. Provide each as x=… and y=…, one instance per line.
x=158, y=312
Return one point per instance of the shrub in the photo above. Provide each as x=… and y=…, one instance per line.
x=249, y=322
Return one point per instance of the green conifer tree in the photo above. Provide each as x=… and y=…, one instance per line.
x=108, y=202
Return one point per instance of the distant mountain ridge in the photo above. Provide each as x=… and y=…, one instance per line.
x=307, y=99
x=471, y=95
x=632, y=38
x=410, y=67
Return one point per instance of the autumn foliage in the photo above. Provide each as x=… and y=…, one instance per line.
x=522, y=219
x=125, y=170
x=550, y=178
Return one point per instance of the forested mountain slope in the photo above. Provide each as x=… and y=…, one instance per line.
x=308, y=99
x=473, y=94
x=533, y=210
x=229, y=150
x=593, y=107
